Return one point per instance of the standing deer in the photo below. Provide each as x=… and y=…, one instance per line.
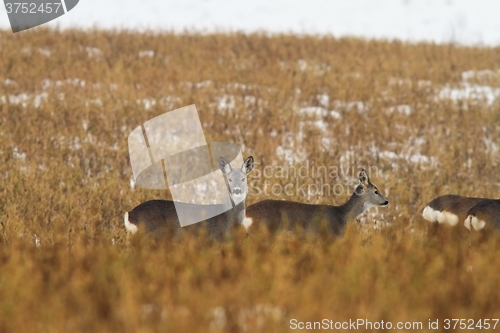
x=276, y=214
x=159, y=217
x=474, y=213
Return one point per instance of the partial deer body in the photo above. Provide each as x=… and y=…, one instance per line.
x=473, y=213
x=160, y=217
x=483, y=215
x=276, y=214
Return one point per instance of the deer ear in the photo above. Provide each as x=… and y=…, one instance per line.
x=247, y=165
x=360, y=189
x=363, y=178
x=224, y=165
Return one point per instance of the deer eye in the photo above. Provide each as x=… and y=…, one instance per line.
x=230, y=180
x=376, y=192
x=242, y=179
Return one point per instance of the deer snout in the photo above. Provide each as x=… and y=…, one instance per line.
x=237, y=191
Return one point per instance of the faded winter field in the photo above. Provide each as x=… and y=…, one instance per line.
x=424, y=117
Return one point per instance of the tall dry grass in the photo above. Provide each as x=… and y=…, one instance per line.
x=69, y=100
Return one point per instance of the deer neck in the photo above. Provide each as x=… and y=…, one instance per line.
x=239, y=211
x=354, y=207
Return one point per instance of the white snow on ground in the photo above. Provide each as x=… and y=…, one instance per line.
x=415, y=158
x=24, y=99
x=401, y=109
x=319, y=111
x=462, y=21
x=467, y=91
x=481, y=75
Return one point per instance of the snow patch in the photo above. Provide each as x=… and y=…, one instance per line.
x=401, y=109
x=467, y=91
x=147, y=54
x=319, y=112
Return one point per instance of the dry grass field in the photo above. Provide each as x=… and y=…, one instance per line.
x=423, y=119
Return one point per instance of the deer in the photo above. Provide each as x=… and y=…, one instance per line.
x=159, y=217
x=474, y=213
x=277, y=214
x=484, y=214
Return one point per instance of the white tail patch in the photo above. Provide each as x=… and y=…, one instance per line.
x=447, y=217
x=430, y=214
x=433, y=215
x=247, y=222
x=441, y=217
x=130, y=226
x=476, y=223
x=467, y=222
